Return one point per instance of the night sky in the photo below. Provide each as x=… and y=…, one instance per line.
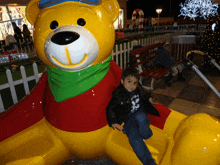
x=149, y=7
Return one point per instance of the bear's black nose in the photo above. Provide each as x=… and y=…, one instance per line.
x=64, y=38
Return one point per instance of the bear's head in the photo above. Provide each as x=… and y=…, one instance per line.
x=73, y=34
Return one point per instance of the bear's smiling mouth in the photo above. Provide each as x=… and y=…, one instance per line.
x=69, y=59
x=71, y=65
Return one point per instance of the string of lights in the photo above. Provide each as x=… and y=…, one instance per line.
x=198, y=8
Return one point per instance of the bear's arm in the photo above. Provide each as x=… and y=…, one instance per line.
x=25, y=113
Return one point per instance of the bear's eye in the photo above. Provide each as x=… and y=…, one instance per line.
x=81, y=22
x=53, y=24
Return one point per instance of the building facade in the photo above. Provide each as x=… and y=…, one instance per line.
x=11, y=12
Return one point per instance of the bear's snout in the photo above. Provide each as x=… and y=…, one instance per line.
x=71, y=47
x=64, y=38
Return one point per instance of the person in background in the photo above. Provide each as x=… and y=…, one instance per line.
x=10, y=42
x=175, y=25
x=17, y=32
x=131, y=104
x=165, y=59
x=149, y=21
x=131, y=25
x=145, y=23
x=153, y=21
x=26, y=33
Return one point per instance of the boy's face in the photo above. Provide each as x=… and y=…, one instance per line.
x=130, y=83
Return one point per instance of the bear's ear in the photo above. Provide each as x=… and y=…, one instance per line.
x=112, y=8
x=32, y=11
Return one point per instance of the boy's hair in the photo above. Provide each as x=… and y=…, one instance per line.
x=130, y=72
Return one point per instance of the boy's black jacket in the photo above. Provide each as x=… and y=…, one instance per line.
x=120, y=105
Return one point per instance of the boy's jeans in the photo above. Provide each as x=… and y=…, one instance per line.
x=137, y=128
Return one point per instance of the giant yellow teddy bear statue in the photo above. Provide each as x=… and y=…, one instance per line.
x=64, y=116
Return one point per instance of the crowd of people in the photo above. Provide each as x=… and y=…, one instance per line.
x=20, y=36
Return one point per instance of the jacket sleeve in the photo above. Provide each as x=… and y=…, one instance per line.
x=110, y=111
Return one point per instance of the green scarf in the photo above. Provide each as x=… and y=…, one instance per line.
x=65, y=85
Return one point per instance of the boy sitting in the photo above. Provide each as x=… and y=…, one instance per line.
x=131, y=104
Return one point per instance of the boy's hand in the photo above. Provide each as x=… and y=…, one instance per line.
x=119, y=127
x=152, y=101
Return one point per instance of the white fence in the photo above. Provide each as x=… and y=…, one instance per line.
x=189, y=28
x=120, y=54
x=11, y=84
